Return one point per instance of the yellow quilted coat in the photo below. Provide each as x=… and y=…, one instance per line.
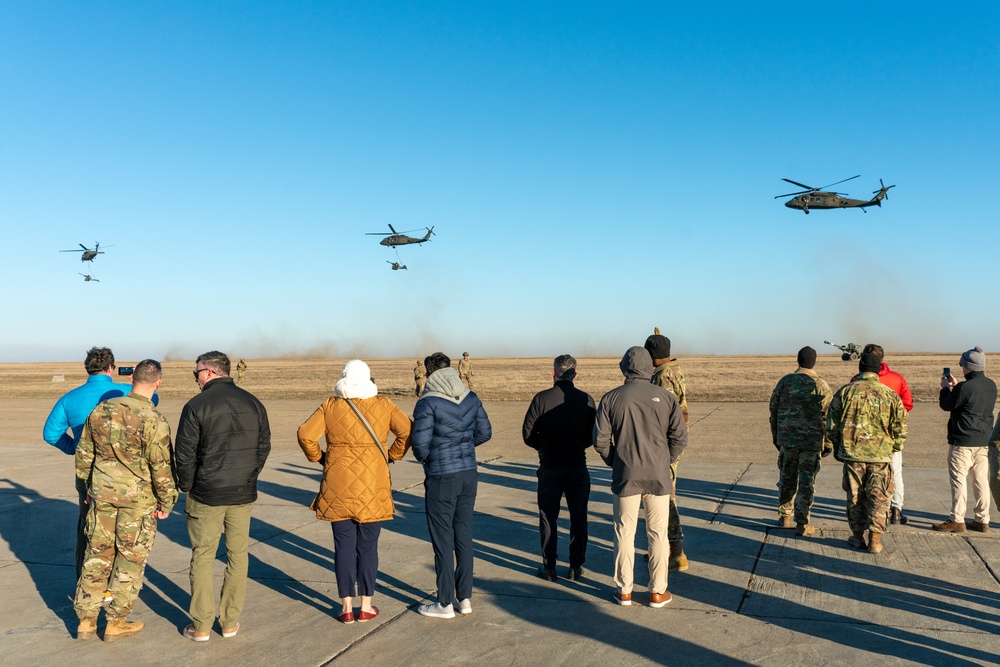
x=356, y=483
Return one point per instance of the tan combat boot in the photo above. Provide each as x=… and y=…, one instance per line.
x=87, y=628
x=677, y=562
x=857, y=540
x=804, y=529
x=785, y=521
x=874, y=542
x=120, y=628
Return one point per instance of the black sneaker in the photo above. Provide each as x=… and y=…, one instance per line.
x=546, y=574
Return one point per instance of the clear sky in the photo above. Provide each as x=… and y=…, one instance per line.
x=591, y=170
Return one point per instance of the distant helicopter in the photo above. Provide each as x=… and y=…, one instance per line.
x=395, y=238
x=88, y=254
x=89, y=278
x=396, y=266
x=813, y=197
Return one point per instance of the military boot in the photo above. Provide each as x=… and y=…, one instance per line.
x=677, y=562
x=874, y=542
x=857, y=540
x=87, y=628
x=785, y=521
x=120, y=628
x=804, y=529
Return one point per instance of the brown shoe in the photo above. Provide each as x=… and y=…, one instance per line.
x=857, y=540
x=874, y=542
x=980, y=527
x=121, y=628
x=804, y=529
x=87, y=628
x=949, y=527
x=657, y=600
x=624, y=599
x=785, y=522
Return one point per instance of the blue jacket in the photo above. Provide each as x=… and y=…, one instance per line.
x=449, y=422
x=71, y=411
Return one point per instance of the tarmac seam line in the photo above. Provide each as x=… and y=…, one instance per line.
x=753, y=572
x=725, y=496
x=989, y=569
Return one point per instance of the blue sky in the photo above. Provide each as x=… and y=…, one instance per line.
x=591, y=170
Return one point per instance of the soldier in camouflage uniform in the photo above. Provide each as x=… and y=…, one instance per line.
x=865, y=424
x=419, y=376
x=124, y=457
x=798, y=416
x=465, y=370
x=667, y=374
x=241, y=369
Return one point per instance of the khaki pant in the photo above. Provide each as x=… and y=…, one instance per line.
x=626, y=516
x=205, y=524
x=962, y=461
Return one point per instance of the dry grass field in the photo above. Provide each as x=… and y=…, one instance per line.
x=715, y=378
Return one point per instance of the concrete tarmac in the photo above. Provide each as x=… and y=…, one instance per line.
x=754, y=594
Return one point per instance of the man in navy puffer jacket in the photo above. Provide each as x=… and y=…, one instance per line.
x=449, y=422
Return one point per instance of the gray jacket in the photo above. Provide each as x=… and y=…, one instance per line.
x=639, y=430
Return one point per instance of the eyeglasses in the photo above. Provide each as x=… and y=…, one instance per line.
x=195, y=373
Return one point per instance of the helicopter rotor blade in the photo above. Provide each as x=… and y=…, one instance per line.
x=377, y=234
x=85, y=248
x=792, y=194
x=839, y=182
x=393, y=229
x=808, y=188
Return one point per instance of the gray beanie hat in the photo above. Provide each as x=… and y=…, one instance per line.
x=974, y=359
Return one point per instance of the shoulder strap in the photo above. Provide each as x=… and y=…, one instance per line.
x=369, y=428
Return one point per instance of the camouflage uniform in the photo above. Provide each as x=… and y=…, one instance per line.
x=124, y=455
x=670, y=377
x=866, y=423
x=465, y=371
x=241, y=369
x=419, y=377
x=798, y=413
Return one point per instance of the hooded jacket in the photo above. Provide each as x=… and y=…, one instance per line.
x=449, y=422
x=639, y=430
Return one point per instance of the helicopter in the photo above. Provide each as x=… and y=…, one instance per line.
x=395, y=238
x=89, y=278
x=88, y=254
x=814, y=197
x=396, y=266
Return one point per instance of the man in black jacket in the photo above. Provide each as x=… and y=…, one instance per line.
x=223, y=440
x=971, y=405
x=559, y=424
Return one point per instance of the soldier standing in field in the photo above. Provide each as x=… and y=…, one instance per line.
x=798, y=415
x=419, y=377
x=124, y=457
x=667, y=374
x=465, y=370
x=865, y=424
x=241, y=369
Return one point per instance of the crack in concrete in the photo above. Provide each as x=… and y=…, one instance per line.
x=986, y=564
x=753, y=571
x=378, y=629
x=701, y=419
x=725, y=496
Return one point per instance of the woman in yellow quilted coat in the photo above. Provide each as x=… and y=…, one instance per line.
x=356, y=491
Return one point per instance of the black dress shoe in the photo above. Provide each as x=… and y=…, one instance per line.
x=575, y=573
x=546, y=573
x=894, y=515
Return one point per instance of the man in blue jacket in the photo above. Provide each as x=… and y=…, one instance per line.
x=449, y=422
x=65, y=423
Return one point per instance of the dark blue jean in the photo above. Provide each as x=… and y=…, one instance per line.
x=355, y=547
x=450, y=501
x=552, y=484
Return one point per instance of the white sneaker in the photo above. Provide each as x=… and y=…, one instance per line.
x=437, y=610
x=465, y=606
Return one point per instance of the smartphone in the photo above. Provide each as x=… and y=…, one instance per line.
x=947, y=372
x=126, y=370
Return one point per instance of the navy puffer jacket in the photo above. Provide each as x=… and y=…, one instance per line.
x=449, y=422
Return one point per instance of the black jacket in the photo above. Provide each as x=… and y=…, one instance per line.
x=560, y=425
x=971, y=406
x=223, y=440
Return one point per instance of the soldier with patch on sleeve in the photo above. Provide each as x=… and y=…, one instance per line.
x=124, y=458
x=798, y=415
x=865, y=424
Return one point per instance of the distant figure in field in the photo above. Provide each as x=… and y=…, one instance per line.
x=897, y=383
x=465, y=370
x=65, y=422
x=798, y=419
x=355, y=493
x=865, y=424
x=969, y=431
x=667, y=374
x=559, y=424
x=449, y=422
x=241, y=369
x=124, y=459
x=640, y=431
x=419, y=377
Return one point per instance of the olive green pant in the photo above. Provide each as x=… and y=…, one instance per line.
x=205, y=524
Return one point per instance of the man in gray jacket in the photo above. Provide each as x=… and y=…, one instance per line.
x=639, y=432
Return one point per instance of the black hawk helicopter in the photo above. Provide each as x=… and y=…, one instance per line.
x=395, y=238
x=88, y=254
x=89, y=278
x=815, y=198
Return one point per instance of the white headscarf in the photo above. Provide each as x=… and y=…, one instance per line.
x=356, y=381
